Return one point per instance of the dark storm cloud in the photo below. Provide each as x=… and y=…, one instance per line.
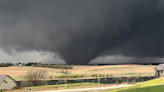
x=81, y=30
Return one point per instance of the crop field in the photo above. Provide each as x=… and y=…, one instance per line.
x=112, y=70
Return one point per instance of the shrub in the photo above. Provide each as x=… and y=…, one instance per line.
x=107, y=75
x=51, y=77
x=111, y=76
x=102, y=75
x=95, y=75
x=70, y=76
x=35, y=78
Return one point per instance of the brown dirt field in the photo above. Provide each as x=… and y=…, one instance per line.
x=108, y=69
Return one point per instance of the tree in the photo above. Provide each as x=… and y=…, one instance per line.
x=35, y=78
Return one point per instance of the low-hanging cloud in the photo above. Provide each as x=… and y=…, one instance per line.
x=30, y=56
x=81, y=30
x=119, y=59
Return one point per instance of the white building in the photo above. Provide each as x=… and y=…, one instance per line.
x=6, y=82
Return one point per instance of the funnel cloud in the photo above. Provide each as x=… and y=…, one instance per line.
x=82, y=30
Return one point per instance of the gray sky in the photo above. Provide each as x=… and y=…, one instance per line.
x=81, y=30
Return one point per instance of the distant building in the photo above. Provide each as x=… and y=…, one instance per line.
x=6, y=82
x=159, y=70
x=19, y=64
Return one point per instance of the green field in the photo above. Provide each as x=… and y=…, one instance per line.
x=146, y=89
x=155, y=85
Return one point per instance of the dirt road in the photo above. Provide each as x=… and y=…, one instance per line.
x=87, y=89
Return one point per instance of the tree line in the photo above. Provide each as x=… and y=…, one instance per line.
x=36, y=64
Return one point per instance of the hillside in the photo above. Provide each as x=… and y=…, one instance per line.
x=155, y=85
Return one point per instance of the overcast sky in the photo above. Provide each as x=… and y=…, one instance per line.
x=80, y=31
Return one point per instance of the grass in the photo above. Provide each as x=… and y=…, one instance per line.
x=112, y=68
x=73, y=76
x=18, y=77
x=142, y=86
x=159, y=88
x=63, y=85
x=133, y=74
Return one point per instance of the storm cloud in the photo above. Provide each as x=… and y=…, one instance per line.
x=30, y=56
x=81, y=30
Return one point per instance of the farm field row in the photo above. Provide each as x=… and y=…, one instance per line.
x=86, y=71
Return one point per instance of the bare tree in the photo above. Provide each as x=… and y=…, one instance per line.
x=35, y=78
